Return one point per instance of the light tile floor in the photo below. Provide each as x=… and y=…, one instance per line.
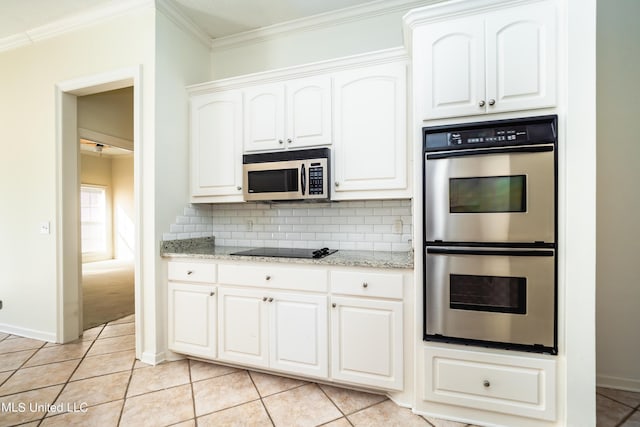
x=96, y=381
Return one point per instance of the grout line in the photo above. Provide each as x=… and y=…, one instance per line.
x=261, y=400
x=126, y=390
x=193, y=396
x=334, y=403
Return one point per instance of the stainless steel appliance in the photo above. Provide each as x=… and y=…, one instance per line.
x=490, y=233
x=286, y=175
x=287, y=252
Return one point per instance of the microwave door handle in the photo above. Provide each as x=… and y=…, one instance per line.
x=303, y=179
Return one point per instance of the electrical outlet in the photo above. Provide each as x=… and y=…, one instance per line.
x=249, y=225
x=44, y=227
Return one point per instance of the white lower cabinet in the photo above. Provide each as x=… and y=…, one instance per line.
x=367, y=342
x=515, y=385
x=277, y=330
x=192, y=319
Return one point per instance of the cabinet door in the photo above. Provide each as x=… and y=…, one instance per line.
x=216, y=145
x=366, y=342
x=308, y=112
x=243, y=332
x=298, y=334
x=450, y=61
x=192, y=319
x=370, y=130
x=264, y=117
x=521, y=58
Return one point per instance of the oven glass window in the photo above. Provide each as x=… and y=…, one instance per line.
x=273, y=181
x=488, y=293
x=488, y=194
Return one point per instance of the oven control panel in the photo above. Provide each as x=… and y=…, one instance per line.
x=500, y=133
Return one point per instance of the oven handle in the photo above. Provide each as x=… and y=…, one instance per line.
x=303, y=178
x=476, y=152
x=502, y=252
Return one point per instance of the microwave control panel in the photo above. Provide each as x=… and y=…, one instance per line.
x=316, y=177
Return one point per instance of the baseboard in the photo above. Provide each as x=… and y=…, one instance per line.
x=153, y=358
x=627, y=384
x=28, y=333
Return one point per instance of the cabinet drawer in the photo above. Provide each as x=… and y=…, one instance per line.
x=384, y=285
x=274, y=277
x=508, y=384
x=192, y=272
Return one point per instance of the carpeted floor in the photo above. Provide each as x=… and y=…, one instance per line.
x=107, y=291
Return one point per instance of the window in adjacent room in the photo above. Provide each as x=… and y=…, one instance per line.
x=93, y=217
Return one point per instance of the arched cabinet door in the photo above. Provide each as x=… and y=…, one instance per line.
x=370, y=124
x=216, y=146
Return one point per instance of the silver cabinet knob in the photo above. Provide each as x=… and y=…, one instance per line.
x=337, y=184
x=481, y=103
x=238, y=188
x=212, y=294
x=267, y=277
x=365, y=285
x=264, y=298
x=492, y=102
x=280, y=141
x=289, y=141
x=189, y=273
x=270, y=299
x=486, y=383
x=333, y=305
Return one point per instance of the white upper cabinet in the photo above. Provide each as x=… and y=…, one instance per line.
x=491, y=62
x=216, y=147
x=370, y=140
x=288, y=115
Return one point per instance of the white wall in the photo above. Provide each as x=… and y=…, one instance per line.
x=618, y=229
x=28, y=260
x=181, y=60
x=309, y=45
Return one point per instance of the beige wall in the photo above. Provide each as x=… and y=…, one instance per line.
x=123, y=207
x=28, y=130
x=618, y=229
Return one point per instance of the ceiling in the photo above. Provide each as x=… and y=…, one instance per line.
x=217, y=18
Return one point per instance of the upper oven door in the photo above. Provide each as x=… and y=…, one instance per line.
x=273, y=180
x=503, y=195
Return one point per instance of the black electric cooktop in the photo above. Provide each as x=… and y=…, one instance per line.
x=287, y=252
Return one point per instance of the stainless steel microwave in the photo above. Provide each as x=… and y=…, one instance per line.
x=286, y=175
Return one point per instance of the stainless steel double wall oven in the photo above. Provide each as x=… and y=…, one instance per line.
x=490, y=231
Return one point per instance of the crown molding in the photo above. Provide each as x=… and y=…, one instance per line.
x=305, y=70
x=72, y=23
x=322, y=20
x=172, y=13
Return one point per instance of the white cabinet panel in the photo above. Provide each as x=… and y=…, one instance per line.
x=509, y=384
x=203, y=272
x=487, y=62
x=298, y=326
x=270, y=329
x=300, y=279
x=521, y=57
x=192, y=319
x=367, y=342
x=383, y=285
x=303, y=120
x=243, y=336
x=452, y=54
x=308, y=112
x=264, y=117
x=216, y=146
x=370, y=130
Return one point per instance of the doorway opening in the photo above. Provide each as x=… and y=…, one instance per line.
x=107, y=230
x=98, y=193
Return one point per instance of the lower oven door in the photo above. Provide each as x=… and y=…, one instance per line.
x=500, y=297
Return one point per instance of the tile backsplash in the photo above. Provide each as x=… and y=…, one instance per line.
x=381, y=225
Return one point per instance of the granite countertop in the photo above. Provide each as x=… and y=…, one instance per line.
x=204, y=247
